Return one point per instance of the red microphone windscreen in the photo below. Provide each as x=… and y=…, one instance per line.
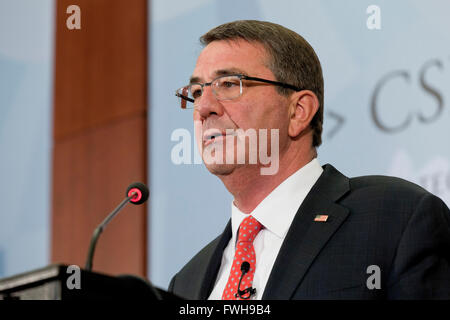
x=141, y=191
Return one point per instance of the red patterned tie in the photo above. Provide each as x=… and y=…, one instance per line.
x=248, y=230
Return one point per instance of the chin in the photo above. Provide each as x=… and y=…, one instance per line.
x=221, y=169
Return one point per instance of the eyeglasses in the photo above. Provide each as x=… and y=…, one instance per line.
x=226, y=87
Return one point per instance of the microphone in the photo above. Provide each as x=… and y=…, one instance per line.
x=137, y=193
x=245, y=267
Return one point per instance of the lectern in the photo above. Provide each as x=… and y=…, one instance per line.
x=57, y=282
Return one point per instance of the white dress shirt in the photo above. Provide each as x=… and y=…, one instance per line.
x=275, y=213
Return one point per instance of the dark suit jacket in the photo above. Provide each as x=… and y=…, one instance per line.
x=374, y=220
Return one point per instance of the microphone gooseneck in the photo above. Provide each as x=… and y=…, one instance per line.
x=245, y=267
x=137, y=193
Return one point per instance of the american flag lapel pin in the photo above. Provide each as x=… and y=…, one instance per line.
x=321, y=218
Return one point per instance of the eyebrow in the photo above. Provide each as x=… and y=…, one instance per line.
x=218, y=73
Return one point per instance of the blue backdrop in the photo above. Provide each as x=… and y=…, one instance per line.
x=386, y=104
x=26, y=58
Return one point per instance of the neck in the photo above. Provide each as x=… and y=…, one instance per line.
x=249, y=187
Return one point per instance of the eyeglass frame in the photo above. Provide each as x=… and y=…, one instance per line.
x=241, y=77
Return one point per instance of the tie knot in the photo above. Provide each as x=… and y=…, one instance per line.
x=248, y=229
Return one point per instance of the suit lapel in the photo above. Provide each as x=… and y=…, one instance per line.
x=306, y=237
x=213, y=260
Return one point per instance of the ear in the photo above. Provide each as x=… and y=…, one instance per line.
x=303, y=106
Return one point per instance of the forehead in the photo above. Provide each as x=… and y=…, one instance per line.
x=237, y=56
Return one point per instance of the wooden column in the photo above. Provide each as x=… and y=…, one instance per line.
x=100, y=133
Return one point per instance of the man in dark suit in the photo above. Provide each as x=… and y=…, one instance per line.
x=317, y=234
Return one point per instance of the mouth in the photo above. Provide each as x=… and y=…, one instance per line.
x=214, y=135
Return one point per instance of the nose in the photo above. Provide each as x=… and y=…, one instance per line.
x=208, y=104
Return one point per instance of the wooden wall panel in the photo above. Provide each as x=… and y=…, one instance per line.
x=100, y=133
x=101, y=69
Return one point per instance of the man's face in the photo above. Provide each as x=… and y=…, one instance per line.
x=259, y=107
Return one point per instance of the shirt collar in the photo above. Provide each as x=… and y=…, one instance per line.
x=278, y=209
